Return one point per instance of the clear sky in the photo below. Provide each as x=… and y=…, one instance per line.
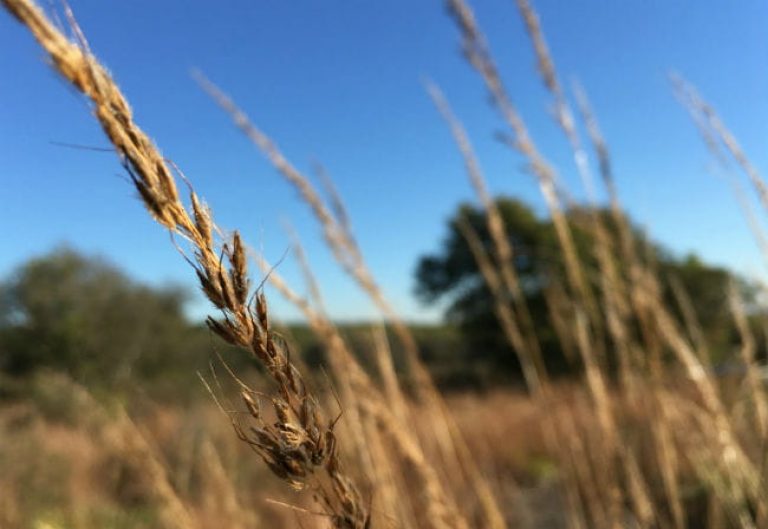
x=339, y=82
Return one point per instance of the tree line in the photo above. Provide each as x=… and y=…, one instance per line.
x=83, y=316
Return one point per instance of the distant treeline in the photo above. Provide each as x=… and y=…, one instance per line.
x=83, y=316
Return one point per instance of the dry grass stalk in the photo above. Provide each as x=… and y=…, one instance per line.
x=711, y=128
x=436, y=499
x=561, y=109
x=747, y=353
x=313, y=287
x=476, y=51
x=518, y=323
x=607, y=440
x=337, y=232
x=477, y=54
x=338, y=352
x=645, y=284
x=344, y=248
x=386, y=368
x=392, y=502
x=613, y=288
x=336, y=227
x=441, y=514
x=619, y=312
x=503, y=311
x=500, y=276
x=560, y=310
x=301, y=446
x=717, y=129
x=668, y=460
x=623, y=294
x=221, y=497
x=705, y=455
x=532, y=372
x=755, y=226
x=626, y=238
x=584, y=481
x=639, y=494
x=738, y=466
x=343, y=362
x=690, y=319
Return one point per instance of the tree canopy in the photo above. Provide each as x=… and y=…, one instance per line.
x=451, y=277
x=83, y=316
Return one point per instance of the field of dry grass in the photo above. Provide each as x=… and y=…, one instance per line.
x=72, y=461
x=646, y=437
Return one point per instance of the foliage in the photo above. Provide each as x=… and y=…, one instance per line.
x=451, y=276
x=82, y=316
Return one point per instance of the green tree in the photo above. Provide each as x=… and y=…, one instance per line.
x=451, y=277
x=82, y=316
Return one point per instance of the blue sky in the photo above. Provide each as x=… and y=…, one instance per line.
x=339, y=82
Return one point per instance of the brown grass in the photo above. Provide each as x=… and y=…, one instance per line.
x=663, y=444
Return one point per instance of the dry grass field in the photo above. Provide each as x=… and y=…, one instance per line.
x=645, y=436
x=69, y=462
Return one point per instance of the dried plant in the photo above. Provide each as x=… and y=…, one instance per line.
x=361, y=396
x=337, y=232
x=300, y=447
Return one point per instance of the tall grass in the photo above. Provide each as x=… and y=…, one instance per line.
x=659, y=444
